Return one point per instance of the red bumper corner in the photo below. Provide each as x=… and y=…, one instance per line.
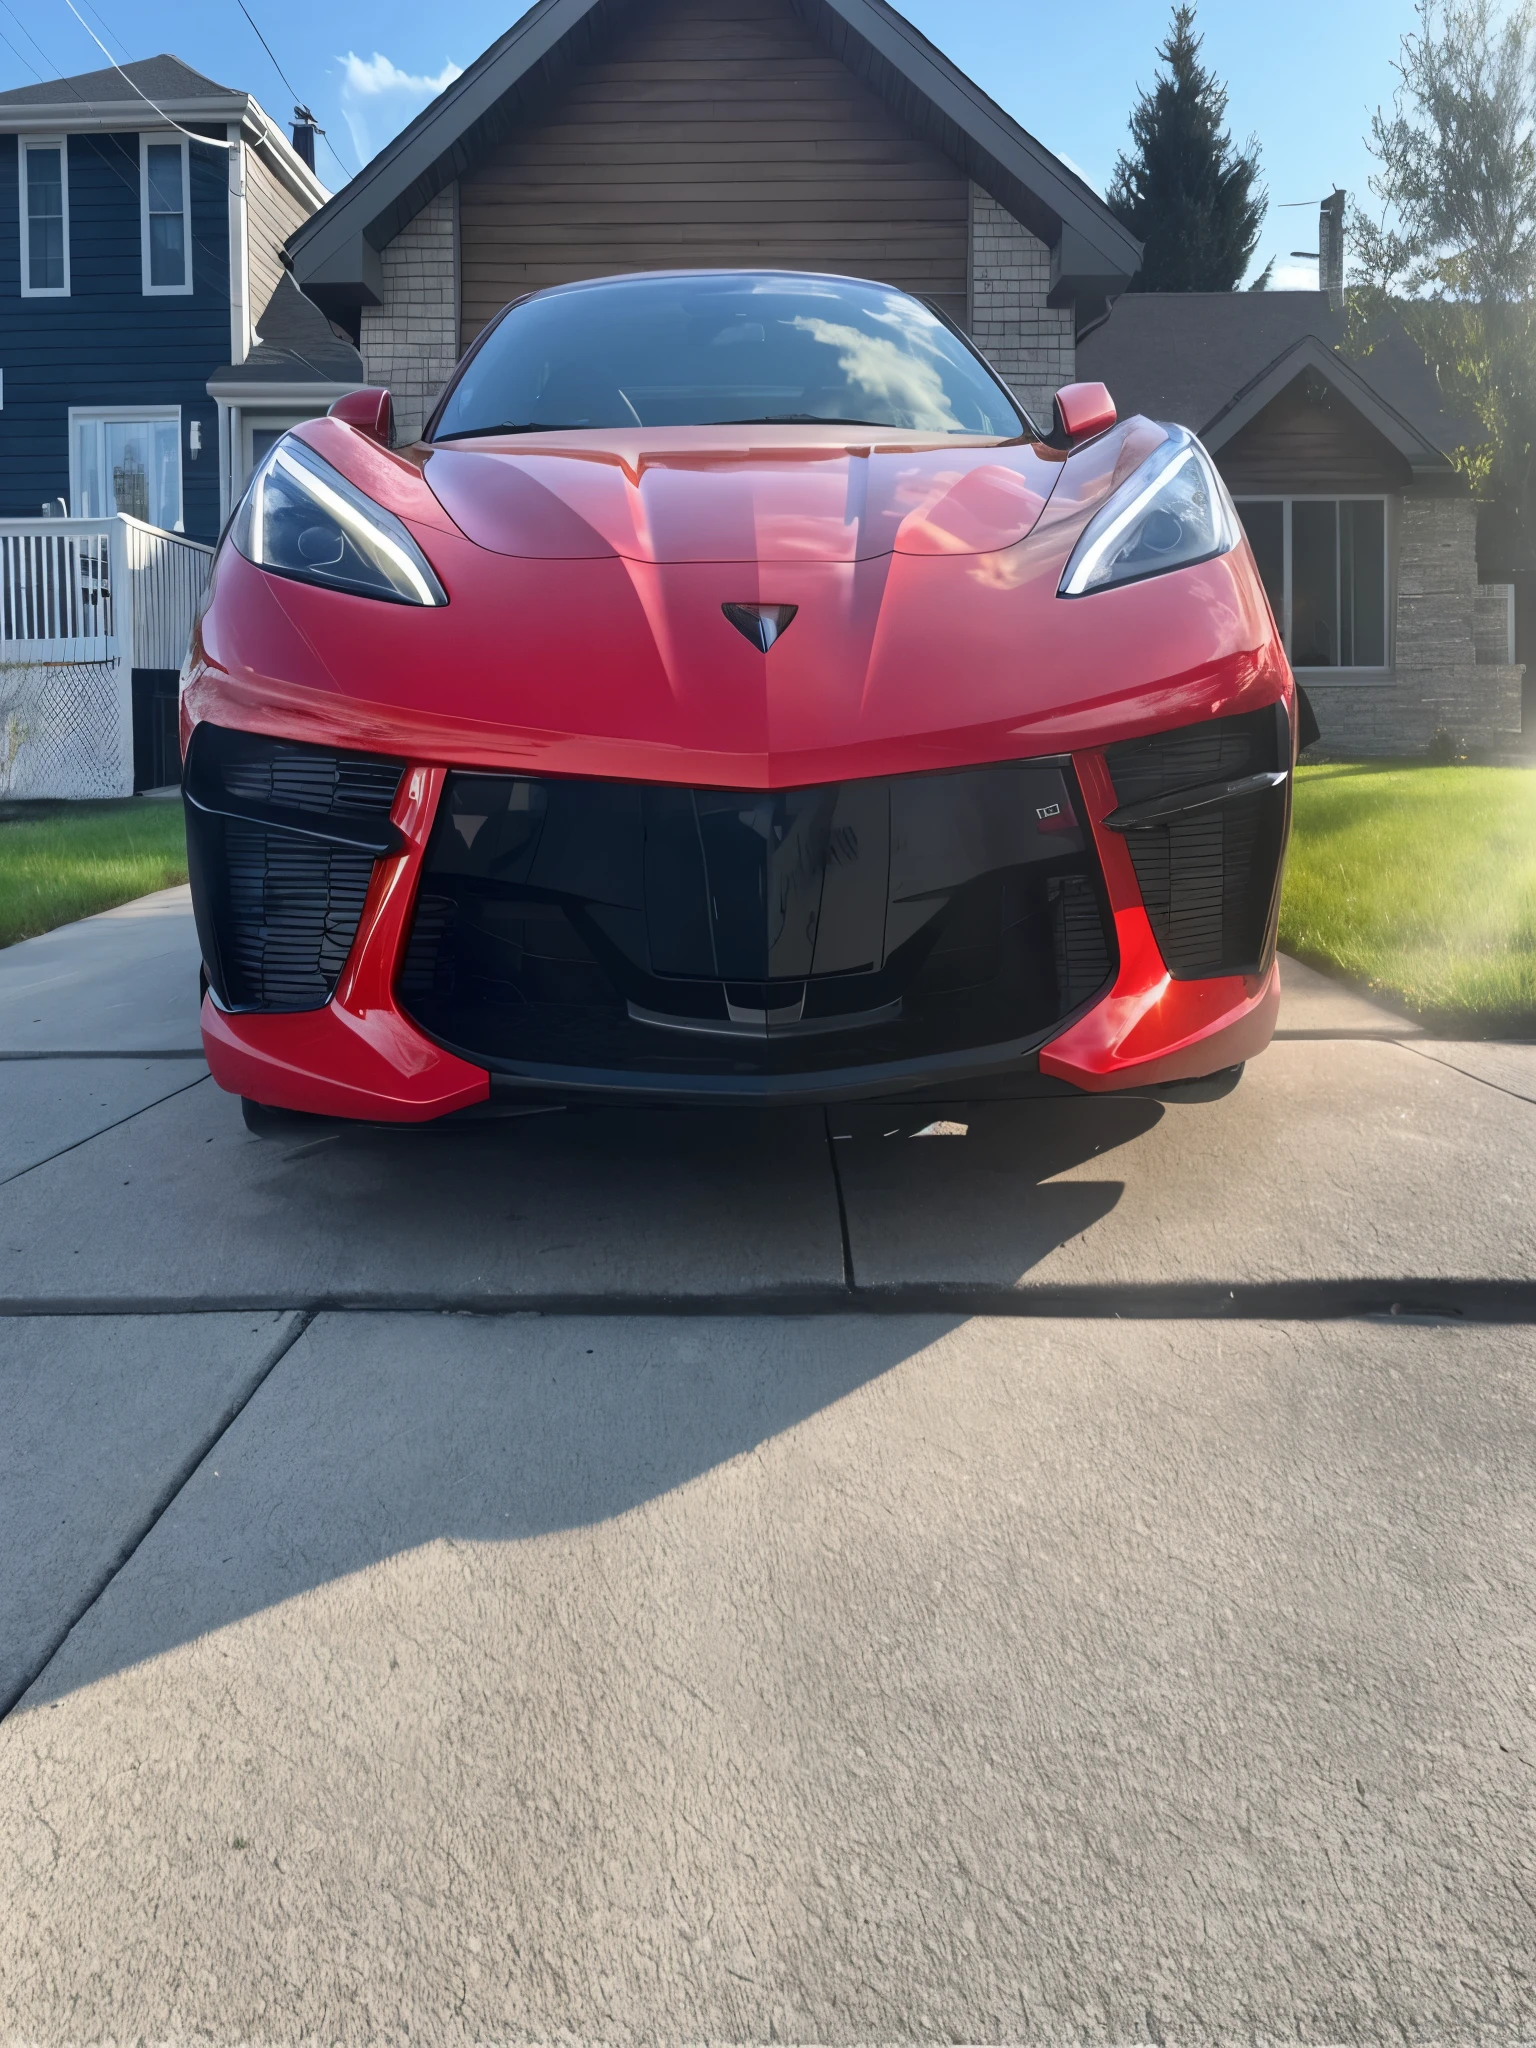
x=358, y=1057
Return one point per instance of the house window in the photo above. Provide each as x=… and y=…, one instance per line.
x=1324, y=565
x=164, y=239
x=45, y=215
x=123, y=460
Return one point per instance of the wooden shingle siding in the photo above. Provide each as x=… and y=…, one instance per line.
x=712, y=133
x=1307, y=440
x=272, y=215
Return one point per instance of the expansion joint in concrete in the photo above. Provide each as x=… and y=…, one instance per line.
x=292, y=1331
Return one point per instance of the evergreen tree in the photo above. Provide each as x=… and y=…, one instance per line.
x=1193, y=200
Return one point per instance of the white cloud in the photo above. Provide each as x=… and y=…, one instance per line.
x=378, y=98
x=1091, y=183
x=1293, y=277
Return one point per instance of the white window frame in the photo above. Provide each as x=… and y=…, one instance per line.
x=107, y=413
x=1286, y=500
x=165, y=140
x=61, y=144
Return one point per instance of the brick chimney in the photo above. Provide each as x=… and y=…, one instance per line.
x=304, y=133
x=1330, y=248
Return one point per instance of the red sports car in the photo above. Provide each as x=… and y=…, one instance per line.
x=732, y=698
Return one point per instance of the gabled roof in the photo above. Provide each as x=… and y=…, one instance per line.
x=1213, y=360
x=158, y=78
x=296, y=347
x=114, y=100
x=336, y=253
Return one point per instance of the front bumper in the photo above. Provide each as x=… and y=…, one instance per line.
x=986, y=932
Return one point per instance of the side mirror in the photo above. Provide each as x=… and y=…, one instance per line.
x=372, y=412
x=1082, y=410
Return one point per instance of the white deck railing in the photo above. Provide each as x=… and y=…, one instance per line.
x=83, y=603
x=76, y=590
x=166, y=577
x=56, y=590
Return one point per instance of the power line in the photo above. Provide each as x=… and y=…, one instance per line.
x=282, y=74
x=299, y=108
x=32, y=39
x=111, y=31
x=144, y=96
x=341, y=164
x=4, y=38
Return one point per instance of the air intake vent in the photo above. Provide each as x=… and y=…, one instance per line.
x=748, y=934
x=1082, y=951
x=281, y=845
x=1205, y=810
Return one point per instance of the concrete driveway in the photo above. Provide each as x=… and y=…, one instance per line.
x=1058, y=1571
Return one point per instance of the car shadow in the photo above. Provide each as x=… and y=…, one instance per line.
x=378, y=1434
x=385, y=1429
x=977, y=1194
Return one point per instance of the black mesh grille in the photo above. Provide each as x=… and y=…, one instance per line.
x=632, y=928
x=1082, y=949
x=319, y=784
x=293, y=911
x=278, y=909
x=1209, y=879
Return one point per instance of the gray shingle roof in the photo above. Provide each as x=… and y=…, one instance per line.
x=1185, y=355
x=295, y=344
x=158, y=78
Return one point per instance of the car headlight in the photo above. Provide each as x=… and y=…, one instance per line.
x=1172, y=511
x=301, y=518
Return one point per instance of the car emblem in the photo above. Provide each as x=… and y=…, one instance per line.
x=760, y=623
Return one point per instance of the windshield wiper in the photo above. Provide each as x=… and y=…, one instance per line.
x=767, y=419
x=798, y=419
x=519, y=427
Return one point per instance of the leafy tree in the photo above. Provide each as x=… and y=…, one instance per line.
x=1452, y=254
x=1184, y=191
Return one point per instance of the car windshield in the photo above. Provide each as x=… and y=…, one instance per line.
x=713, y=349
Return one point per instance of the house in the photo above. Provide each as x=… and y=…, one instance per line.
x=139, y=260
x=1365, y=532
x=599, y=136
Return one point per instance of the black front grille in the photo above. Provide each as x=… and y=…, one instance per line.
x=633, y=928
x=1209, y=874
x=281, y=845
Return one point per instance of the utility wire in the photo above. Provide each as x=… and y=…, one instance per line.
x=144, y=96
x=93, y=142
x=4, y=38
x=299, y=107
x=282, y=74
x=111, y=31
x=32, y=39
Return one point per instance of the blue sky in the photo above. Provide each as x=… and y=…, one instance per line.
x=1304, y=78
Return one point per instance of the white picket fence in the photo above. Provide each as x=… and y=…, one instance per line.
x=83, y=603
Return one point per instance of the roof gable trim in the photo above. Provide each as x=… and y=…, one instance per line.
x=1311, y=354
x=881, y=48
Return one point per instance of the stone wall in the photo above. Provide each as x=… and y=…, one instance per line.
x=1029, y=343
x=410, y=342
x=1437, y=681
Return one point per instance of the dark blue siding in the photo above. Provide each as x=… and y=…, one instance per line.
x=107, y=343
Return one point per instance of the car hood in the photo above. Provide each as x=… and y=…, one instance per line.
x=588, y=628
x=701, y=494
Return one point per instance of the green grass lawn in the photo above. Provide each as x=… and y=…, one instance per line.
x=63, y=861
x=1419, y=882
